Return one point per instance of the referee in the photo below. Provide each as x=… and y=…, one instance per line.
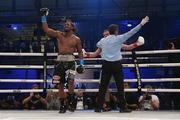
x=111, y=55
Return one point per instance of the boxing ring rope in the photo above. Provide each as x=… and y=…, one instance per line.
x=88, y=90
x=45, y=67
x=21, y=66
x=128, y=58
x=88, y=66
x=156, y=52
x=55, y=54
x=56, y=90
x=140, y=65
x=123, y=53
x=22, y=54
x=91, y=80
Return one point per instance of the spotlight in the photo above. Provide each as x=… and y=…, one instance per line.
x=129, y=25
x=14, y=28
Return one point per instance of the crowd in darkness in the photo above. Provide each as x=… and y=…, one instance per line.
x=50, y=100
x=23, y=45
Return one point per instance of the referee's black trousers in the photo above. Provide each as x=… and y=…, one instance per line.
x=111, y=69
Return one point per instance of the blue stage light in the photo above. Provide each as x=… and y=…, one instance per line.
x=129, y=25
x=14, y=28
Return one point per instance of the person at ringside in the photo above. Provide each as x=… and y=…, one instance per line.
x=148, y=100
x=34, y=101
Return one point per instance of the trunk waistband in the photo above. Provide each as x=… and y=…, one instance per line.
x=65, y=58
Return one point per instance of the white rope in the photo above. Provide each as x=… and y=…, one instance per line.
x=157, y=52
x=97, y=80
x=143, y=52
x=90, y=90
x=91, y=80
x=89, y=66
x=21, y=54
x=140, y=65
x=161, y=90
x=96, y=90
x=132, y=80
x=123, y=53
x=41, y=54
x=160, y=65
x=25, y=67
x=161, y=80
x=21, y=66
x=23, y=80
x=52, y=54
x=126, y=58
x=21, y=90
x=56, y=90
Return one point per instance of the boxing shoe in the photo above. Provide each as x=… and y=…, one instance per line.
x=72, y=100
x=62, y=108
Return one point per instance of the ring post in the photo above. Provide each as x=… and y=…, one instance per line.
x=44, y=70
x=136, y=71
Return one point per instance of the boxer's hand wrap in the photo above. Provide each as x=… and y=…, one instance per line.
x=43, y=19
x=44, y=12
x=80, y=68
x=81, y=62
x=88, y=54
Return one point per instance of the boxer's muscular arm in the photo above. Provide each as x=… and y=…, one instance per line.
x=79, y=48
x=44, y=13
x=140, y=41
x=80, y=69
x=127, y=47
x=49, y=31
x=95, y=53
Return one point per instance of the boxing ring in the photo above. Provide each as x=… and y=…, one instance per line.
x=89, y=115
x=135, y=56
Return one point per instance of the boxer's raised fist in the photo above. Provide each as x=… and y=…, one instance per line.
x=44, y=11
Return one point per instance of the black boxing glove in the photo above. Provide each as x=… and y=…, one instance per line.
x=80, y=69
x=44, y=11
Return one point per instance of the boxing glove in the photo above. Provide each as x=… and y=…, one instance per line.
x=80, y=69
x=44, y=11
